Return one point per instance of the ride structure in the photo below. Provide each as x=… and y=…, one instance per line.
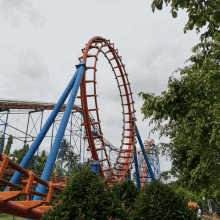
x=114, y=164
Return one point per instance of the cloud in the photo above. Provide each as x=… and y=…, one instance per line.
x=15, y=11
x=31, y=64
x=24, y=73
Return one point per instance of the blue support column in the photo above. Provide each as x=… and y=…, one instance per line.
x=68, y=174
x=3, y=138
x=137, y=170
x=145, y=155
x=26, y=160
x=136, y=163
x=53, y=153
x=61, y=165
x=25, y=140
x=80, y=144
x=95, y=167
x=52, y=135
x=38, y=148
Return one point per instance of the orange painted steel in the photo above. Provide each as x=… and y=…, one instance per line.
x=53, y=178
x=26, y=209
x=123, y=163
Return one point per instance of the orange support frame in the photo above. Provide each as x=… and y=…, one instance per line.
x=26, y=209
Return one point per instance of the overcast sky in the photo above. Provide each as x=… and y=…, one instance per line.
x=40, y=43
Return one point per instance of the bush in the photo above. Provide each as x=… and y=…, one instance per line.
x=85, y=197
x=160, y=201
x=126, y=193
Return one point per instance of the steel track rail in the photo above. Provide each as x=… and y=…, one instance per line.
x=128, y=141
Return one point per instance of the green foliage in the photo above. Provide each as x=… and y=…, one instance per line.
x=165, y=175
x=126, y=193
x=2, y=143
x=16, y=156
x=190, y=196
x=85, y=197
x=159, y=201
x=200, y=13
x=8, y=145
x=70, y=159
x=188, y=113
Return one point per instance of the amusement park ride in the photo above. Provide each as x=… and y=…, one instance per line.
x=81, y=126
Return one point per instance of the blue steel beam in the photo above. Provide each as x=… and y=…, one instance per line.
x=136, y=163
x=3, y=137
x=28, y=157
x=55, y=148
x=145, y=155
x=137, y=170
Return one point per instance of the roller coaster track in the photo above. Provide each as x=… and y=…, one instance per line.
x=27, y=209
x=6, y=104
x=91, y=51
x=120, y=170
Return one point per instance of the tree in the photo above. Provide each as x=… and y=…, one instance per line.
x=190, y=196
x=16, y=156
x=8, y=145
x=188, y=111
x=68, y=157
x=85, y=197
x=126, y=192
x=41, y=161
x=2, y=141
x=159, y=201
x=165, y=175
x=200, y=13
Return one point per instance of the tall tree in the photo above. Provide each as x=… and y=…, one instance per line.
x=165, y=175
x=16, y=155
x=2, y=142
x=200, y=13
x=69, y=158
x=8, y=145
x=188, y=112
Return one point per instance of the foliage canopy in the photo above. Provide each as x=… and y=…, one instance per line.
x=159, y=201
x=200, y=13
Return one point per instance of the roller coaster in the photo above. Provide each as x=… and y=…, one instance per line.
x=46, y=125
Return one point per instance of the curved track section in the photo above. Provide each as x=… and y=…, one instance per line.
x=121, y=169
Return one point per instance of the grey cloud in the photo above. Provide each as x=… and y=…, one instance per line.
x=31, y=64
x=14, y=11
x=24, y=75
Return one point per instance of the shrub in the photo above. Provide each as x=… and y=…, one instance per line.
x=126, y=193
x=85, y=197
x=160, y=201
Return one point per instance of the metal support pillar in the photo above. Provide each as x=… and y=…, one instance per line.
x=28, y=157
x=80, y=144
x=145, y=155
x=25, y=140
x=52, y=136
x=95, y=167
x=61, y=165
x=38, y=147
x=3, y=137
x=71, y=123
x=53, y=153
x=137, y=170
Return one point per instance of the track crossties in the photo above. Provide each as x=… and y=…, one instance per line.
x=121, y=169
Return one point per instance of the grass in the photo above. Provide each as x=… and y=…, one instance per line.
x=5, y=216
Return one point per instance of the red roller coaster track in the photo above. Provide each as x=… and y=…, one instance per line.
x=127, y=147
